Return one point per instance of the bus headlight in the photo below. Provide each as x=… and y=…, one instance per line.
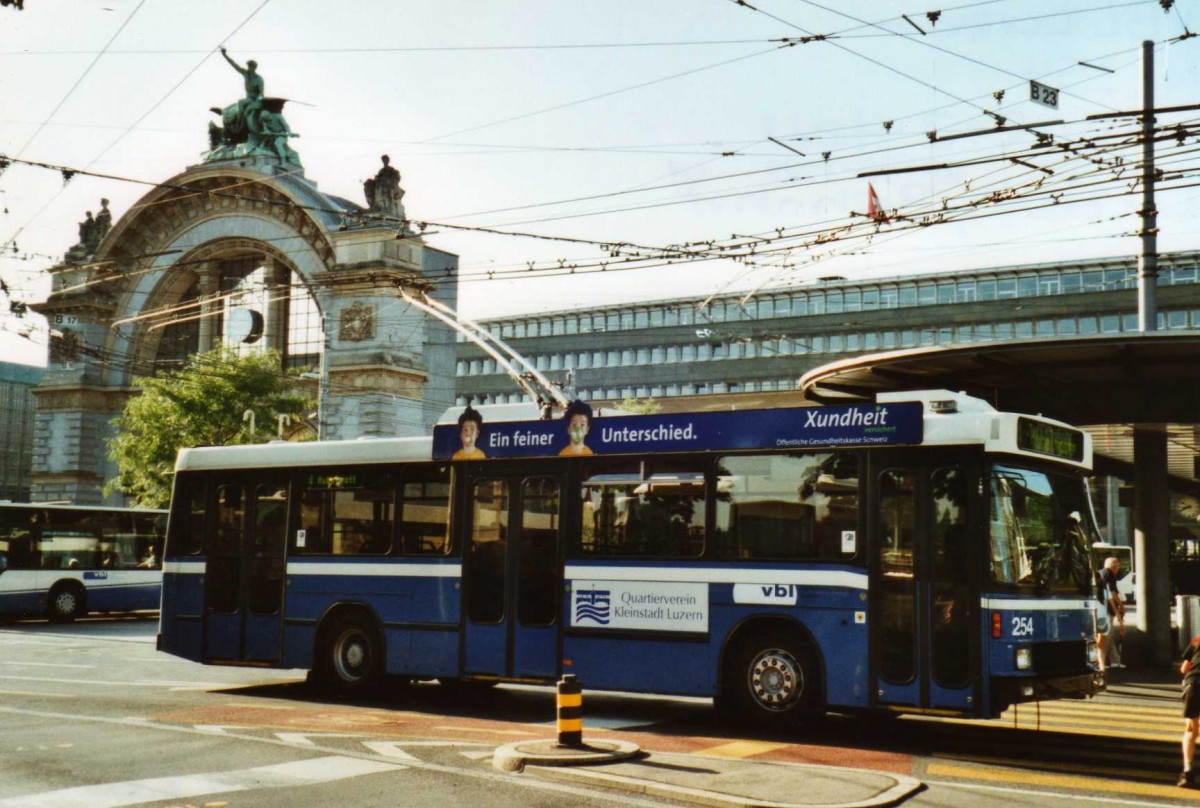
x=1024, y=658
x=1093, y=653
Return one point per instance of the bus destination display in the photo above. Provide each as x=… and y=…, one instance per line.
x=1049, y=439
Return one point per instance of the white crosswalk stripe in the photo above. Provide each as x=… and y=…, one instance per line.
x=181, y=786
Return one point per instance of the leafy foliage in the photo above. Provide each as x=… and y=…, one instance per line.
x=639, y=406
x=199, y=405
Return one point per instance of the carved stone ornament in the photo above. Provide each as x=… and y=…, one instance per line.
x=357, y=323
x=64, y=347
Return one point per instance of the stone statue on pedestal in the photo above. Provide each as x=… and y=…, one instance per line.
x=253, y=125
x=103, y=222
x=238, y=117
x=87, y=234
x=92, y=231
x=384, y=193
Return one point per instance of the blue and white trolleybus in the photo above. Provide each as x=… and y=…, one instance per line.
x=923, y=553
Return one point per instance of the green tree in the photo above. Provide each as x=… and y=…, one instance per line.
x=199, y=405
x=639, y=406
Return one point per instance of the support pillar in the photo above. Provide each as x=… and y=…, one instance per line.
x=276, y=328
x=209, y=284
x=1151, y=543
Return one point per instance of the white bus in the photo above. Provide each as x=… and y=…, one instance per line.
x=63, y=561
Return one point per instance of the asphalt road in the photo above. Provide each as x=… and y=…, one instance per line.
x=91, y=715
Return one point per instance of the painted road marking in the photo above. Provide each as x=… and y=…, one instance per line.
x=138, y=683
x=394, y=749
x=742, y=749
x=305, y=738
x=1135, y=723
x=490, y=731
x=1064, y=781
x=1056, y=766
x=49, y=664
x=389, y=749
x=218, y=729
x=603, y=722
x=132, y=792
x=1025, y=794
x=35, y=693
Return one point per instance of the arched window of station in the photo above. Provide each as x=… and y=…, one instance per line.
x=248, y=304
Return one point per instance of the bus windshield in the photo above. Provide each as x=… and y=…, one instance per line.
x=1041, y=530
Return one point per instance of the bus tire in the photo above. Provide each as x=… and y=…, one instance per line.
x=771, y=680
x=66, y=602
x=349, y=655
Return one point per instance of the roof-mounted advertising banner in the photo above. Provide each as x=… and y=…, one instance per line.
x=578, y=433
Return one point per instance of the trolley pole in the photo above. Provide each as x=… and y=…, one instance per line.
x=1148, y=260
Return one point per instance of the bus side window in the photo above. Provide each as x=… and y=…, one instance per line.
x=628, y=512
x=347, y=514
x=786, y=506
x=425, y=513
x=191, y=515
x=609, y=505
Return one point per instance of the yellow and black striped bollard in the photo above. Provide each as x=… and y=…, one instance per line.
x=570, y=711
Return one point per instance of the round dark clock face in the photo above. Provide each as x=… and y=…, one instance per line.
x=243, y=325
x=1188, y=508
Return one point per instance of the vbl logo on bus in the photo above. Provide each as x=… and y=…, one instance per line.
x=593, y=604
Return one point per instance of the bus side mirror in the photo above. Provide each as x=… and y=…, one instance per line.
x=3, y=561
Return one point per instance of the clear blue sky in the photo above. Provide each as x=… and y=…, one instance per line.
x=662, y=111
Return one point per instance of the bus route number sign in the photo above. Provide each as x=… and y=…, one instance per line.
x=1043, y=94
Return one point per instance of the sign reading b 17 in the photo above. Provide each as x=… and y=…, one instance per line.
x=1043, y=94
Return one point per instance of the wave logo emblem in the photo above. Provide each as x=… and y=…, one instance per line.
x=593, y=604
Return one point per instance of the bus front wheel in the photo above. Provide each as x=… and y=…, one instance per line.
x=771, y=680
x=349, y=655
x=66, y=602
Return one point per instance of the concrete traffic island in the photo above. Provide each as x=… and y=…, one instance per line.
x=568, y=749
x=728, y=782
x=707, y=780
x=516, y=756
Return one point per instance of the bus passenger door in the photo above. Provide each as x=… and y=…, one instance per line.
x=244, y=575
x=925, y=618
x=513, y=576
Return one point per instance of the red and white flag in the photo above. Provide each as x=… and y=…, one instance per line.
x=873, y=208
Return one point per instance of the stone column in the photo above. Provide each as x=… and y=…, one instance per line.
x=75, y=404
x=278, y=292
x=209, y=284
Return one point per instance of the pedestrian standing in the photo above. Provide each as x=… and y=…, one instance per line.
x=1191, y=710
x=1115, y=607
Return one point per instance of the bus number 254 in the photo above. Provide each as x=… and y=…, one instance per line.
x=1022, y=626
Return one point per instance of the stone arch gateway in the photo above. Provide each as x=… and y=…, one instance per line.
x=245, y=253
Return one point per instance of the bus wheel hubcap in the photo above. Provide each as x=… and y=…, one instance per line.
x=776, y=679
x=351, y=657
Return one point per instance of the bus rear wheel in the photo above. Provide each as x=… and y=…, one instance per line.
x=771, y=680
x=349, y=655
x=66, y=602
